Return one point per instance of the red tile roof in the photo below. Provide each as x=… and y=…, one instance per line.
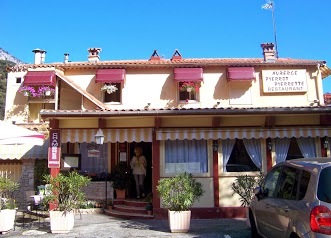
x=165, y=63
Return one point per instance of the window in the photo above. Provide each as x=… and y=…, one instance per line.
x=270, y=182
x=288, y=183
x=186, y=155
x=294, y=151
x=188, y=90
x=305, y=178
x=18, y=80
x=239, y=160
x=114, y=96
x=324, y=188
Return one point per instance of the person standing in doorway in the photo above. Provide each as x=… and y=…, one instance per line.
x=138, y=165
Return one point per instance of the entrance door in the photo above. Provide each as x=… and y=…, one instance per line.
x=147, y=152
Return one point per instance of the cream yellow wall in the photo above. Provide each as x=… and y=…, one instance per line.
x=16, y=104
x=158, y=87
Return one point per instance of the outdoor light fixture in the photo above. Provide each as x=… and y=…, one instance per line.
x=215, y=146
x=99, y=137
x=325, y=143
x=269, y=145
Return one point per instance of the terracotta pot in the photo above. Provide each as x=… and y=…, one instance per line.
x=120, y=193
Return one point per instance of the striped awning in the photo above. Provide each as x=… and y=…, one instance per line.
x=110, y=75
x=188, y=74
x=248, y=133
x=111, y=135
x=24, y=151
x=40, y=78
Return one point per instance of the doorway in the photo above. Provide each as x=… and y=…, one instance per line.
x=147, y=152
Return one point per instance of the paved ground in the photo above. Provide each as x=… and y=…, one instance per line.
x=100, y=225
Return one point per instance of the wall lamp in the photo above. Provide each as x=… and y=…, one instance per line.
x=215, y=146
x=325, y=143
x=269, y=145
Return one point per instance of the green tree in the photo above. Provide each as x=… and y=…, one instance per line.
x=3, y=76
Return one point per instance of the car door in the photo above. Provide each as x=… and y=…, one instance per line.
x=286, y=197
x=266, y=205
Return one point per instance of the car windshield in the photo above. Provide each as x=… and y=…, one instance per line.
x=324, y=188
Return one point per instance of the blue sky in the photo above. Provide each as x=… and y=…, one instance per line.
x=128, y=29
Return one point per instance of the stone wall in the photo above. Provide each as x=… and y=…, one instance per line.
x=26, y=183
x=97, y=190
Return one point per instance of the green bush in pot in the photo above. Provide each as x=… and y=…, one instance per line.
x=180, y=192
x=7, y=187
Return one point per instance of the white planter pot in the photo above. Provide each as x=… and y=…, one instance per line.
x=7, y=219
x=62, y=222
x=179, y=221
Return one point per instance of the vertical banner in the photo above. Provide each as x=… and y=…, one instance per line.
x=54, y=149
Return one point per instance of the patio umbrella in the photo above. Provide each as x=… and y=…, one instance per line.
x=11, y=134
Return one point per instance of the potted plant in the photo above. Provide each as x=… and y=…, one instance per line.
x=149, y=205
x=28, y=91
x=244, y=186
x=45, y=91
x=7, y=203
x=189, y=87
x=110, y=204
x=178, y=195
x=66, y=197
x=109, y=88
x=121, y=179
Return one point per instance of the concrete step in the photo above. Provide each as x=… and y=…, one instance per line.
x=129, y=209
x=126, y=215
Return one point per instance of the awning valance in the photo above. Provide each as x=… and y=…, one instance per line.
x=24, y=151
x=111, y=135
x=249, y=133
x=241, y=73
x=110, y=75
x=40, y=78
x=188, y=74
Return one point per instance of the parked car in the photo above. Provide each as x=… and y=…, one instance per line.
x=294, y=200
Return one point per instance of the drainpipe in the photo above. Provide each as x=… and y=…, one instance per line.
x=319, y=86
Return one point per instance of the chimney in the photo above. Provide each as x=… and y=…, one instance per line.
x=94, y=54
x=66, y=58
x=37, y=56
x=42, y=56
x=269, y=52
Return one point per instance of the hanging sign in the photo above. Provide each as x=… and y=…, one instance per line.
x=54, y=149
x=93, y=153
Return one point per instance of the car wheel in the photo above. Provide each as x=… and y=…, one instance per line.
x=254, y=233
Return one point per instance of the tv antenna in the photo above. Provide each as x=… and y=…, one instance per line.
x=270, y=5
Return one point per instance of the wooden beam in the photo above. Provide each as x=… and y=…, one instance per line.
x=269, y=121
x=216, y=121
x=54, y=124
x=325, y=120
x=101, y=123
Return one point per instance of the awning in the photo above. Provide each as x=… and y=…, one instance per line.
x=248, y=133
x=13, y=134
x=40, y=78
x=111, y=135
x=188, y=74
x=241, y=73
x=110, y=75
x=25, y=151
